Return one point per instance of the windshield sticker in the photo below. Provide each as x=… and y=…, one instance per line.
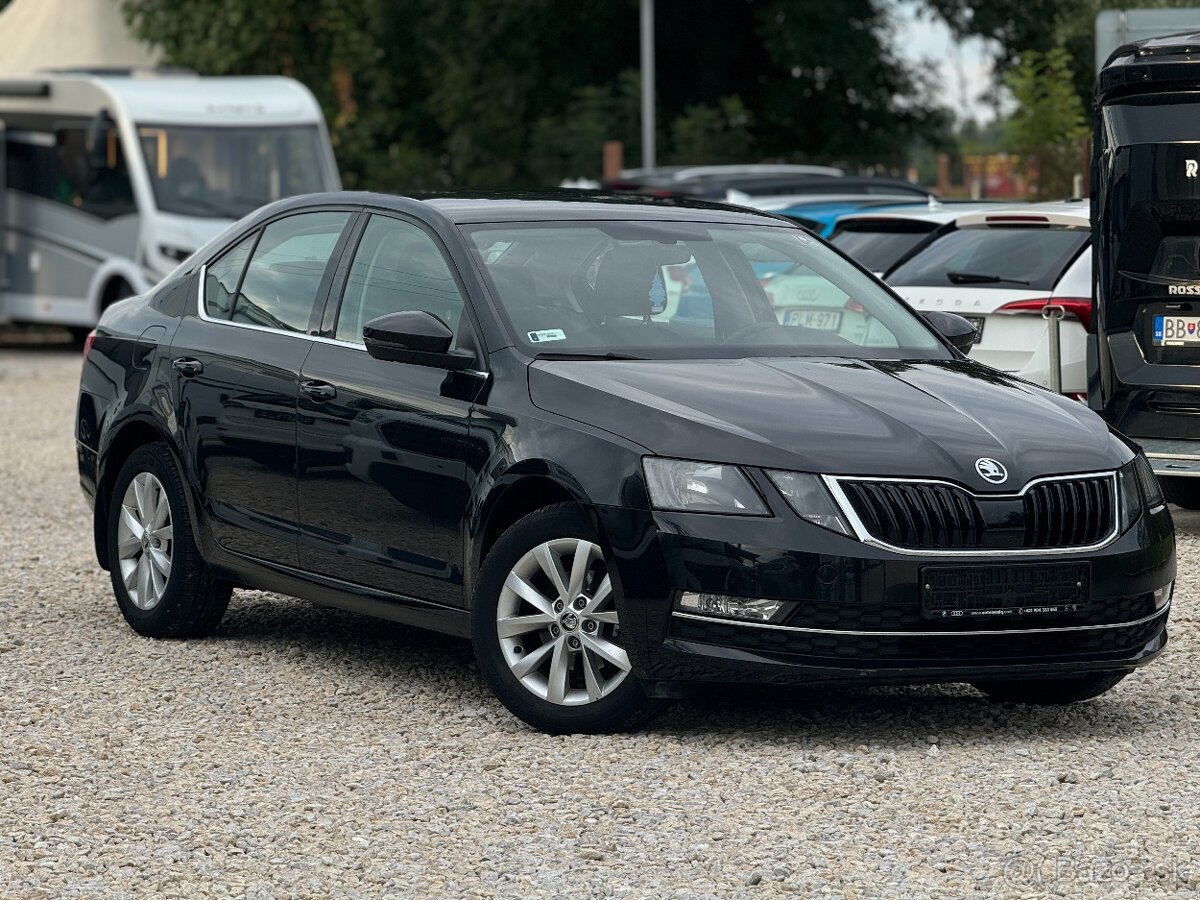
x=550, y=334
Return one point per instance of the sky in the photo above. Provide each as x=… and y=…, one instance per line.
x=964, y=68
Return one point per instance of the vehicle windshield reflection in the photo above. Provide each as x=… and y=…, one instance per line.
x=663, y=290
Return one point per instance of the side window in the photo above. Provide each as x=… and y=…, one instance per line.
x=57, y=166
x=222, y=276
x=281, y=282
x=396, y=267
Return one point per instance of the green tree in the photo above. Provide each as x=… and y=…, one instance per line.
x=1048, y=123
x=1018, y=26
x=473, y=93
x=706, y=134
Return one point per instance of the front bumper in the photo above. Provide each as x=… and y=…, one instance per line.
x=858, y=609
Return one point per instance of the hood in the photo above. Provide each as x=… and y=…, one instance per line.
x=834, y=416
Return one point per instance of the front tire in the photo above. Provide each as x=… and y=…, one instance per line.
x=163, y=587
x=1051, y=691
x=546, y=629
x=1183, y=492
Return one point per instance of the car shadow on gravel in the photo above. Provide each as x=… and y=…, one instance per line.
x=346, y=645
x=908, y=717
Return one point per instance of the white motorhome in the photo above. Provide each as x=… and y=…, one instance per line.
x=110, y=179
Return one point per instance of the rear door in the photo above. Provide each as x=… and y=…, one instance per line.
x=383, y=446
x=237, y=369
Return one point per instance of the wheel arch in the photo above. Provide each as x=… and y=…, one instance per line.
x=125, y=440
x=519, y=493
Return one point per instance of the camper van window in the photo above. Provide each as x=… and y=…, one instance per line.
x=56, y=166
x=228, y=172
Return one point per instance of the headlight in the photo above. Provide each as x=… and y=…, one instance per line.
x=1130, y=495
x=1152, y=491
x=806, y=494
x=679, y=484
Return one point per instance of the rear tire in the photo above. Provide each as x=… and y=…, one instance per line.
x=164, y=588
x=1051, y=691
x=548, y=642
x=1183, y=492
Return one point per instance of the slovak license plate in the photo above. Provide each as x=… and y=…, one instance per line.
x=1176, y=331
x=817, y=319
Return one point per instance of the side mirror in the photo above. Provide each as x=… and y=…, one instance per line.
x=416, y=337
x=957, y=330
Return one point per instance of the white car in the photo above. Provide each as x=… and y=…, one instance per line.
x=999, y=268
x=877, y=239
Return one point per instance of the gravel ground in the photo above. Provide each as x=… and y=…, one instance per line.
x=310, y=752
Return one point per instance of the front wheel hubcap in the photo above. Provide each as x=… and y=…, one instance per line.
x=145, y=541
x=560, y=650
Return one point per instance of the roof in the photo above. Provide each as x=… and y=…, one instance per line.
x=566, y=205
x=538, y=206
x=1065, y=213
x=1158, y=63
x=51, y=34
x=922, y=212
x=804, y=201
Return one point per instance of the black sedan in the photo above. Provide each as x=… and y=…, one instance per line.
x=576, y=431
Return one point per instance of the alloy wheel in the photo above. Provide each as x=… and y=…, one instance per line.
x=145, y=541
x=557, y=624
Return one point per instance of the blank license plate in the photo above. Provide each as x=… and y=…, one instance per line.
x=1176, y=331
x=983, y=592
x=817, y=319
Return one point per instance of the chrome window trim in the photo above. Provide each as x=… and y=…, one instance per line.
x=832, y=483
x=303, y=335
x=200, y=308
x=993, y=632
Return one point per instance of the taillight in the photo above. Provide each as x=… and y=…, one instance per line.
x=1079, y=307
x=87, y=345
x=854, y=306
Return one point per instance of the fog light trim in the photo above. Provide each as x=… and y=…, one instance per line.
x=723, y=606
x=1162, y=595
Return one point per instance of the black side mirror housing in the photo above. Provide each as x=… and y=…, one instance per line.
x=957, y=330
x=416, y=337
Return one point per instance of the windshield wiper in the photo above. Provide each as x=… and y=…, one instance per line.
x=583, y=354
x=980, y=278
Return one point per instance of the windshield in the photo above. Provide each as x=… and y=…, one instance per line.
x=1033, y=258
x=227, y=172
x=682, y=290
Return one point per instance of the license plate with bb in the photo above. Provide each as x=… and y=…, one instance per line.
x=1176, y=331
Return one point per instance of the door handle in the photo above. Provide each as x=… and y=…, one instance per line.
x=187, y=366
x=318, y=391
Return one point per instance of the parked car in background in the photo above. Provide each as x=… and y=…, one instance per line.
x=877, y=237
x=999, y=268
x=819, y=212
x=114, y=178
x=662, y=180
x=785, y=190
x=464, y=414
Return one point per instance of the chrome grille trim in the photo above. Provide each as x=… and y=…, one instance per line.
x=834, y=485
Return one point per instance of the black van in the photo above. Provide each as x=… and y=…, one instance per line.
x=1144, y=359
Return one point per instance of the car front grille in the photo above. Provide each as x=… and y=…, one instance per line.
x=925, y=515
x=1069, y=512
